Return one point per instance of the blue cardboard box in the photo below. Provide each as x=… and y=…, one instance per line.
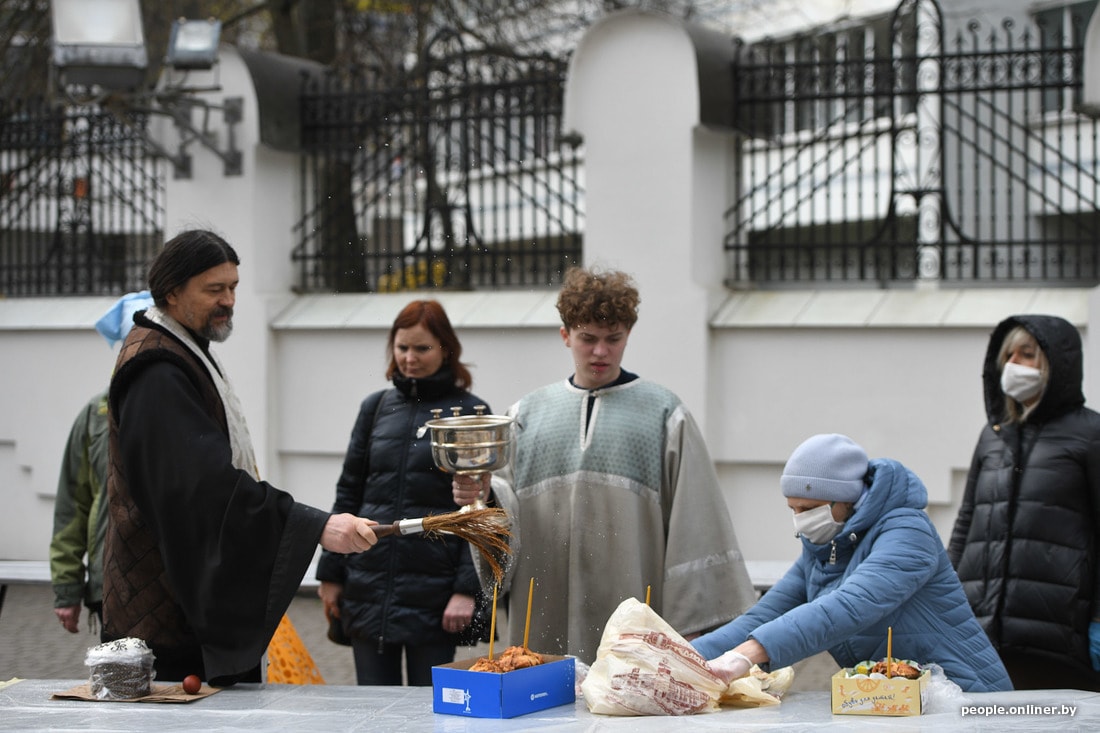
x=458, y=691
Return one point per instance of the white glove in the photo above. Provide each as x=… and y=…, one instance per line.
x=730, y=666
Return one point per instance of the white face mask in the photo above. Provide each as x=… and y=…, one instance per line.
x=1020, y=382
x=817, y=524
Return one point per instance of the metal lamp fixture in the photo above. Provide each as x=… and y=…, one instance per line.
x=99, y=43
x=100, y=58
x=193, y=44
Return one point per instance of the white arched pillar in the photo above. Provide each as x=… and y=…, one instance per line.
x=256, y=212
x=649, y=96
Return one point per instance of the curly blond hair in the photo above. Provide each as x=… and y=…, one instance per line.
x=592, y=297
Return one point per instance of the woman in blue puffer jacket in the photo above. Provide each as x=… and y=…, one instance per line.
x=871, y=560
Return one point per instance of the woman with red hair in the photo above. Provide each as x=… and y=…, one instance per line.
x=413, y=596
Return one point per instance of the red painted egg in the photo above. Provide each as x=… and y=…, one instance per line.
x=192, y=684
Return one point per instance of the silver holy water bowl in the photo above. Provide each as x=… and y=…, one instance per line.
x=471, y=444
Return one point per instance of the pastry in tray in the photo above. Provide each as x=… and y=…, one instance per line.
x=512, y=658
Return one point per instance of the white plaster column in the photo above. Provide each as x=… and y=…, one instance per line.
x=255, y=212
x=1090, y=338
x=654, y=176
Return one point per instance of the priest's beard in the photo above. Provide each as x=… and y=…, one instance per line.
x=218, y=331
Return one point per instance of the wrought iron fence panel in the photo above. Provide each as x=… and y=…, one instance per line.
x=460, y=182
x=81, y=202
x=909, y=147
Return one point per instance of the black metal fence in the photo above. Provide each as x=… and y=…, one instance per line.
x=887, y=150
x=910, y=146
x=81, y=202
x=458, y=181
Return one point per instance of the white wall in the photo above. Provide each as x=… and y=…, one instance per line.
x=898, y=371
x=51, y=363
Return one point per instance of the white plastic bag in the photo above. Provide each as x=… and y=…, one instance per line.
x=644, y=667
x=942, y=695
x=580, y=672
x=758, y=688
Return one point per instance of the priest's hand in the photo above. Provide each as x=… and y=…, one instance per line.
x=347, y=533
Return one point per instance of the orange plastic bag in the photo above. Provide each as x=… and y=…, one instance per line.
x=289, y=662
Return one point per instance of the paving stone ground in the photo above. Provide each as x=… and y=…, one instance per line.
x=34, y=646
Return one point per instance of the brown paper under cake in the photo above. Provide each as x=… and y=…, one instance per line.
x=158, y=693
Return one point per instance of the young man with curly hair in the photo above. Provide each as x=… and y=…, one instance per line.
x=612, y=491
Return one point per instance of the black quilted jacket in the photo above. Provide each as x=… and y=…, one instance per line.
x=396, y=592
x=1025, y=541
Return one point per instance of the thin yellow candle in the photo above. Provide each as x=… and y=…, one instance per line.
x=493, y=624
x=889, y=648
x=647, y=594
x=527, y=625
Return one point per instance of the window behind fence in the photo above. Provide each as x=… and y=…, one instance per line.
x=81, y=202
x=915, y=146
x=459, y=182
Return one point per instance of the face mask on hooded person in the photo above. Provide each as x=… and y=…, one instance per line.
x=829, y=468
x=1021, y=382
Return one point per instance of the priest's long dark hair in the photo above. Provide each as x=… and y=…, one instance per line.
x=187, y=254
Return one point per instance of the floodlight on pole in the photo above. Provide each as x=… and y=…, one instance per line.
x=100, y=58
x=193, y=44
x=99, y=43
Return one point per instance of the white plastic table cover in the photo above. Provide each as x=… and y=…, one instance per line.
x=26, y=705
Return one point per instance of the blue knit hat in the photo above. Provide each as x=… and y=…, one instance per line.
x=827, y=467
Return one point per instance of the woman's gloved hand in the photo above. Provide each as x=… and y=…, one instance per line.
x=1094, y=644
x=730, y=666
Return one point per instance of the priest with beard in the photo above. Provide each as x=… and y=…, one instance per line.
x=202, y=558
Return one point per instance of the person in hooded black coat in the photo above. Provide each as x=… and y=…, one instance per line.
x=418, y=595
x=1025, y=539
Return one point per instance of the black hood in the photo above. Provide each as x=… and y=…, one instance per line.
x=1061, y=343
